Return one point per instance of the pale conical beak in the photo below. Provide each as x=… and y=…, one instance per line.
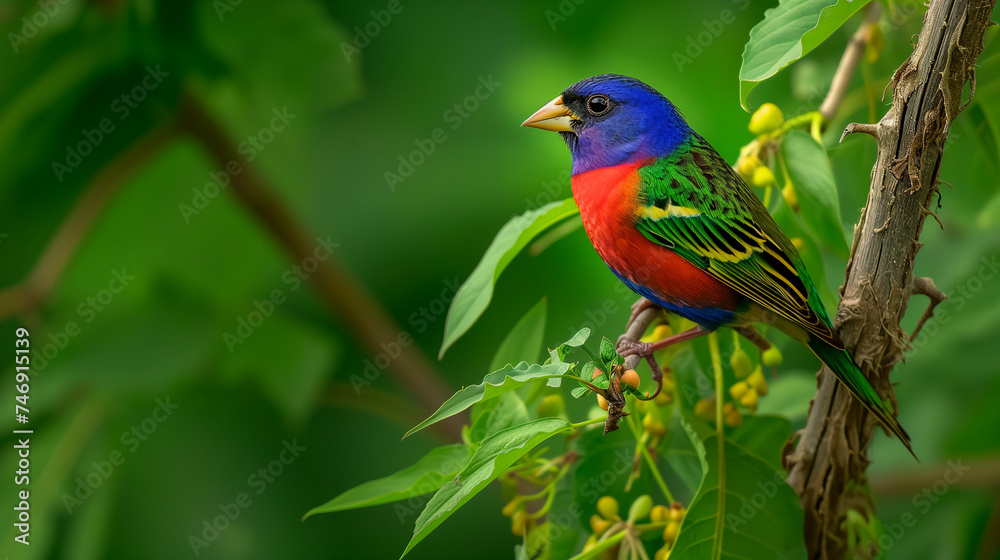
x=553, y=116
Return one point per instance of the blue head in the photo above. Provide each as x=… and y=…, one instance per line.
x=611, y=119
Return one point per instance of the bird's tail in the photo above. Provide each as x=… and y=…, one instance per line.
x=840, y=362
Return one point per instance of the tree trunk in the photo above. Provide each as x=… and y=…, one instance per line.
x=827, y=467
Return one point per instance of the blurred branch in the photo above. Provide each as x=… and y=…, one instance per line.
x=983, y=474
x=37, y=286
x=343, y=295
x=827, y=467
x=849, y=62
x=374, y=401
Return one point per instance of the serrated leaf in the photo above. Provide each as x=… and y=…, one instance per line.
x=812, y=178
x=427, y=475
x=607, y=351
x=475, y=294
x=742, y=511
x=524, y=341
x=493, y=385
x=786, y=34
x=497, y=453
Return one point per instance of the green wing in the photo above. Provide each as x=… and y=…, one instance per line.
x=695, y=204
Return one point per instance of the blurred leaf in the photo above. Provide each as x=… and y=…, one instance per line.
x=475, y=294
x=764, y=436
x=788, y=33
x=789, y=396
x=758, y=515
x=494, y=456
x=317, y=77
x=427, y=475
x=989, y=216
x=493, y=385
x=812, y=177
x=289, y=359
x=524, y=341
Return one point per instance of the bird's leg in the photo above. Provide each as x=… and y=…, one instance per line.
x=638, y=307
x=751, y=334
x=627, y=346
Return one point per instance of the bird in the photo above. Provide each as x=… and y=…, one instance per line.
x=681, y=228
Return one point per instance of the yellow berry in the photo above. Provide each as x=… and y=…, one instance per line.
x=551, y=406
x=631, y=377
x=772, y=357
x=519, y=524
x=665, y=397
x=705, y=409
x=757, y=381
x=676, y=512
x=511, y=507
x=662, y=331
x=640, y=508
x=766, y=119
x=762, y=177
x=739, y=389
x=653, y=425
x=734, y=419
x=598, y=524
x=749, y=400
x=659, y=514
x=602, y=402
x=663, y=553
x=789, y=193
x=745, y=166
x=671, y=531
x=608, y=508
x=798, y=243
x=741, y=364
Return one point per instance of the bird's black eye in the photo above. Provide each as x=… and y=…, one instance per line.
x=598, y=104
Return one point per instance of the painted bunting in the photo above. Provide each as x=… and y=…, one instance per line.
x=676, y=224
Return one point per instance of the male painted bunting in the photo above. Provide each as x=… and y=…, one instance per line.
x=678, y=226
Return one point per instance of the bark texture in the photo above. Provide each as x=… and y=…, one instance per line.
x=827, y=465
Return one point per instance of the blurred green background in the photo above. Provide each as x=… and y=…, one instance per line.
x=363, y=85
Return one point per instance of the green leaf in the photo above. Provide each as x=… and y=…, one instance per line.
x=764, y=436
x=607, y=351
x=427, y=475
x=812, y=177
x=493, y=385
x=789, y=395
x=580, y=392
x=524, y=342
x=788, y=33
x=475, y=294
x=494, y=456
x=758, y=515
